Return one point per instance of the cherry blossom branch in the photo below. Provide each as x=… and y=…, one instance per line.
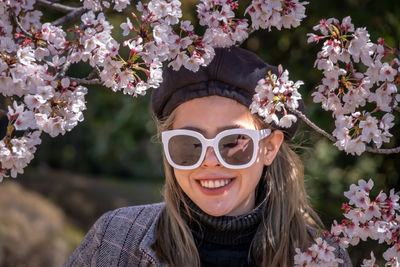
x=383, y=150
x=17, y=23
x=365, y=218
x=73, y=12
x=93, y=73
x=89, y=79
x=333, y=139
x=146, y=60
x=86, y=81
x=70, y=16
x=64, y=69
x=56, y=6
x=312, y=125
x=344, y=90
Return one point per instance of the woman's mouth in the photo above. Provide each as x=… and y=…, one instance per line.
x=215, y=183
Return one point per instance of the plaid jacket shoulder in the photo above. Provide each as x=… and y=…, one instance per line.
x=120, y=238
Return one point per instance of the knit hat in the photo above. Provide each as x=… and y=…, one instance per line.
x=233, y=73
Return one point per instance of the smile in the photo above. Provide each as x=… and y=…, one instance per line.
x=215, y=183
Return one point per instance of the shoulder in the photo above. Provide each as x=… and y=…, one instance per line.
x=142, y=214
x=117, y=237
x=114, y=225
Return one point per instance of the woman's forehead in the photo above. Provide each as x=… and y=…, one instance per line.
x=212, y=114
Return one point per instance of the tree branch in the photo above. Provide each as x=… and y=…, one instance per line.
x=383, y=150
x=70, y=16
x=85, y=81
x=64, y=69
x=89, y=78
x=94, y=72
x=56, y=6
x=16, y=21
x=312, y=125
x=334, y=140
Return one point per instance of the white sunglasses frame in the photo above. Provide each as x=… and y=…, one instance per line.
x=255, y=135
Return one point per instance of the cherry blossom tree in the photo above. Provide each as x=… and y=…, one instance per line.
x=377, y=219
x=36, y=56
x=345, y=89
x=359, y=85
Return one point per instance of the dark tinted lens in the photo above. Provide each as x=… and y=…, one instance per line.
x=236, y=149
x=184, y=150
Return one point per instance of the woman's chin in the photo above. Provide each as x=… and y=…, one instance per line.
x=217, y=212
x=216, y=208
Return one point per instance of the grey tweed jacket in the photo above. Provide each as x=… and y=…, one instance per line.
x=122, y=238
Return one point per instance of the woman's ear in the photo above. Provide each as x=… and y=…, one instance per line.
x=271, y=146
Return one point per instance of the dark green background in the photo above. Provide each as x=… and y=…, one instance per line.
x=114, y=143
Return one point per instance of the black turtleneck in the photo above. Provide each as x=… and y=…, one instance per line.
x=225, y=240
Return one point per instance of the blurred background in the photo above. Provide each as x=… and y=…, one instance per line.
x=109, y=160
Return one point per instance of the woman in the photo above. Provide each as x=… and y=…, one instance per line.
x=234, y=192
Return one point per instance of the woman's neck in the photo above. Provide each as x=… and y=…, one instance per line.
x=226, y=229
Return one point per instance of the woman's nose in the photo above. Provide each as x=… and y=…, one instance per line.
x=210, y=160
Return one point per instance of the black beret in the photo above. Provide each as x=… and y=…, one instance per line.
x=233, y=73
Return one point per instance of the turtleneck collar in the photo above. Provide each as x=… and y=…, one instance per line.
x=226, y=230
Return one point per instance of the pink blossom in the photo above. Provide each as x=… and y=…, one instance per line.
x=387, y=73
x=267, y=14
x=276, y=93
x=23, y=119
x=370, y=262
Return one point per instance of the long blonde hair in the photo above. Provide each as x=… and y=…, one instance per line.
x=283, y=228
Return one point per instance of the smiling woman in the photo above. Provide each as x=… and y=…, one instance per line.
x=234, y=191
x=236, y=195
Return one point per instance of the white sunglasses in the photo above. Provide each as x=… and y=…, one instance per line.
x=234, y=148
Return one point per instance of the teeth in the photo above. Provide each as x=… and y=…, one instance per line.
x=215, y=183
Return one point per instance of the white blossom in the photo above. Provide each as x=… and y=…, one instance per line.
x=387, y=73
x=23, y=119
x=276, y=93
x=370, y=262
x=319, y=254
x=267, y=14
x=127, y=27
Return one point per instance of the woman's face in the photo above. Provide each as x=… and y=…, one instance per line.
x=236, y=192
